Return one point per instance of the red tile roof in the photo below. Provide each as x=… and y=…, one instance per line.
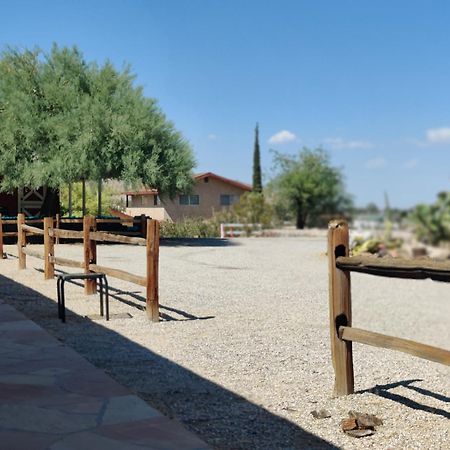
x=197, y=177
x=244, y=186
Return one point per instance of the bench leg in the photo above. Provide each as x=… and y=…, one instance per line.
x=58, y=289
x=100, y=283
x=107, y=298
x=63, y=303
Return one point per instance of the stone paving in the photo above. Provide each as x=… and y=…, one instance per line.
x=52, y=398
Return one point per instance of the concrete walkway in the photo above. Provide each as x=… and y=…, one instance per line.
x=52, y=398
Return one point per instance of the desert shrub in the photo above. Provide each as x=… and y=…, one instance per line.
x=190, y=228
x=432, y=222
x=251, y=208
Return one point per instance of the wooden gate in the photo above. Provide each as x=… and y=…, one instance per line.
x=30, y=200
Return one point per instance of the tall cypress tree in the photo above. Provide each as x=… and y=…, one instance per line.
x=257, y=182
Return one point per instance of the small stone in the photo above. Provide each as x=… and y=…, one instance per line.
x=365, y=420
x=360, y=433
x=321, y=414
x=348, y=424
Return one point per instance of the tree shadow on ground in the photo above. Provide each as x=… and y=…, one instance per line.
x=222, y=418
x=385, y=392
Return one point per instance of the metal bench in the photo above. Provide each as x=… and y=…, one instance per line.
x=62, y=278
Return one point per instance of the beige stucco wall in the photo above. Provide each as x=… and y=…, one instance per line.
x=141, y=201
x=209, y=194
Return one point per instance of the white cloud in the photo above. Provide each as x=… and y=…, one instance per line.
x=411, y=164
x=282, y=137
x=212, y=136
x=376, y=163
x=438, y=135
x=339, y=143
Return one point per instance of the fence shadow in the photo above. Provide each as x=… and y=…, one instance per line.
x=197, y=242
x=384, y=391
x=139, y=302
x=222, y=418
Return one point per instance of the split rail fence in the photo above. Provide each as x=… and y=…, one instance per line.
x=343, y=334
x=90, y=236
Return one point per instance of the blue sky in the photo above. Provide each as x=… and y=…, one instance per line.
x=369, y=81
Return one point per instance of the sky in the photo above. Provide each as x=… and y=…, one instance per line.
x=367, y=81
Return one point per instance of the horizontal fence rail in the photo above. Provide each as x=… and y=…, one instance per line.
x=66, y=262
x=424, y=351
x=396, y=267
x=110, y=237
x=121, y=274
x=65, y=234
x=32, y=230
x=342, y=333
x=90, y=236
x=34, y=253
x=239, y=229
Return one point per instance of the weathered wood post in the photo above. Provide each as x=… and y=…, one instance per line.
x=90, y=253
x=49, y=249
x=152, y=298
x=21, y=241
x=2, y=254
x=58, y=224
x=340, y=308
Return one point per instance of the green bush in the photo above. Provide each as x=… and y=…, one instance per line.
x=190, y=228
x=251, y=208
x=432, y=222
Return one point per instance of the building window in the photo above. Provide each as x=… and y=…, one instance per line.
x=189, y=199
x=228, y=200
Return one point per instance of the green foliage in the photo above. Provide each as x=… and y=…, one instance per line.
x=64, y=120
x=309, y=186
x=111, y=199
x=375, y=246
x=251, y=208
x=257, y=178
x=190, y=228
x=432, y=222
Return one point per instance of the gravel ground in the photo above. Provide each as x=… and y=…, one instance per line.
x=242, y=356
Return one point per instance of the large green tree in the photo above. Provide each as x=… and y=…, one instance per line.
x=63, y=120
x=308, y=186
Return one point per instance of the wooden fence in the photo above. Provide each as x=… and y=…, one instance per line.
x=341, y=329
x=90, y=236
x=239, y=229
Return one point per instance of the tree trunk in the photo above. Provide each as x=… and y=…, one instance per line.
x=301, y=219
x=50, y=205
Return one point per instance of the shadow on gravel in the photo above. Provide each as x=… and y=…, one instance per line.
x=384, y=391
x=198, y=242
x=120, y=295
x=220, y=417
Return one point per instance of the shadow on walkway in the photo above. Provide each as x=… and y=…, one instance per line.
x=220, y=417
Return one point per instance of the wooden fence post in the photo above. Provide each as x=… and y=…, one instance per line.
x=58, y=224
x=340, y=308
x=152, y=300
x=49, y=249
x=90, y=253
x=2, y=254
x=21, y=241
